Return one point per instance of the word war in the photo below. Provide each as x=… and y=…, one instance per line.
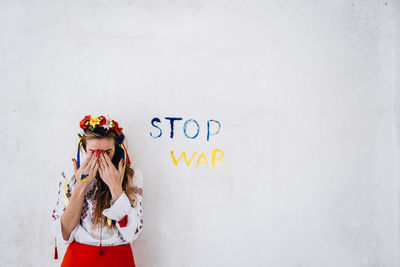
x=202, y=159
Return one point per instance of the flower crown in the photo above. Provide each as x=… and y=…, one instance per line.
x=91, y=123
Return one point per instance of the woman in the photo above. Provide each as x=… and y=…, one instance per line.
x=99, y=209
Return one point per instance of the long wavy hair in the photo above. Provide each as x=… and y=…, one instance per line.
x=103, y=194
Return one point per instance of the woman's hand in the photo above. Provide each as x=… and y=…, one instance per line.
x=110, y=175
x=88, y=168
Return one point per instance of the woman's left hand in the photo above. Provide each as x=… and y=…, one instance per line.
x=111, y=175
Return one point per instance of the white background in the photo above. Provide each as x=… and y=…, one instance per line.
x=307, y=94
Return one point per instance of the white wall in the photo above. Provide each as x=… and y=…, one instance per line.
x=306, y=94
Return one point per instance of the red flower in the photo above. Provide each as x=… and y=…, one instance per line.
x=115, y=127
x=124, y=221
x=102, y=120
x=85, y=122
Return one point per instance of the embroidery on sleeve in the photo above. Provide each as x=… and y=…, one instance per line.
x=124, y=221
x=135, y=191
x=59, y=208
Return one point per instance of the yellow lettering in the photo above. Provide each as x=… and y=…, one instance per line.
x=184, y=155
x=213, y=159
x=199, y=160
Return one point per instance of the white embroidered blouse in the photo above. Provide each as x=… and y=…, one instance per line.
x=83, y=232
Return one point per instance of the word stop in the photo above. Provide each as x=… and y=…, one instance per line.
x=213, y=127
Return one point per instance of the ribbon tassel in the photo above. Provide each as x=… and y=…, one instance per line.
x=101, y=247
x=55, y=249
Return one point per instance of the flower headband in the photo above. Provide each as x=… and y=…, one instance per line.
x=91, y=123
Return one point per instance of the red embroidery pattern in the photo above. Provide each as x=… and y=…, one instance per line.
x=94, y=203
x=124, y=221
x=54, y=215
x=132, y=202
x=68, y=194
x=85, y=208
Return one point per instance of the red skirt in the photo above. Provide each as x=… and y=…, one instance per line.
x=79, y=254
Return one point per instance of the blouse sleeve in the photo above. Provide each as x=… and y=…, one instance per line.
x=132, y=227
x=59, y=210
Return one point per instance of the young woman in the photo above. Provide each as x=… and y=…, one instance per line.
x=99, y=209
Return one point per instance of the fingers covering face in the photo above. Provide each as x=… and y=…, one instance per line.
x=101, y=164
x=102, y=158
x=107, y=158
x=88, y=159
x=93, y=163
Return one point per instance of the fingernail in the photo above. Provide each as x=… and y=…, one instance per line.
x=72, y=160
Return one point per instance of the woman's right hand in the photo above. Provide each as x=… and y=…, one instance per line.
x=89, y=167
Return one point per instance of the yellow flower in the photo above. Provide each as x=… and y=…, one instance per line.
x=94, y=121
